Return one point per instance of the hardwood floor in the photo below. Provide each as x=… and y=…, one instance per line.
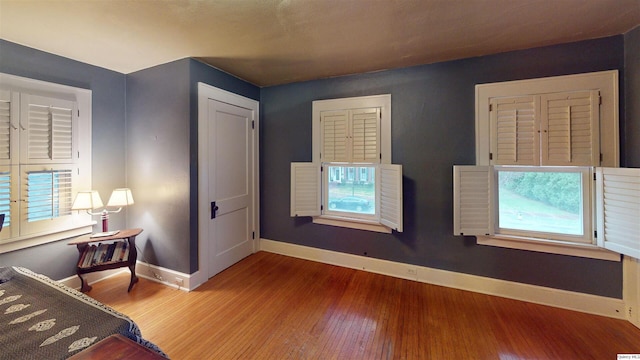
x=270, y=306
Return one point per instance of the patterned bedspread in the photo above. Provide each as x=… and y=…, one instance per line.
x=43, y=319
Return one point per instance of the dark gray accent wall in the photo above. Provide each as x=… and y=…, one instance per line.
x=433, y=124
x=162, y=157
x=57, y=259
x=632, y=97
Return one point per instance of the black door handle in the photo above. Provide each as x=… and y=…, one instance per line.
x=214, y=208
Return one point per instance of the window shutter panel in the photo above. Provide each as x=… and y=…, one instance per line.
x=305, y=189
x=472, y=200
x=570, y=122
x=9, y=103
x=514, y=130
x=365, y=133
x=618, y=210
x=5, y=126
x=333, y=137
x=391, y=196
x=47, y=129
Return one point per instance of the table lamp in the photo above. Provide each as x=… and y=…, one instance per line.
x=89, y=200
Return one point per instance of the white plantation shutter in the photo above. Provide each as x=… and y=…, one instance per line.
x=47, y=129
x=472, y=200
x=8, y=134
x=391, y=196
x=334, y=135
x=618, y=210
x=570, y=125
x=350, y=135
x=365, y=135
x=514, y=128
x=305, y=189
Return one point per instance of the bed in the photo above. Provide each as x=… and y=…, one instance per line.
x=43, y=319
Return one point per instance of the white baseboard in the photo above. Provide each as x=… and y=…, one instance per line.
x=91, y=278
x=592, y=304
x=155, y=273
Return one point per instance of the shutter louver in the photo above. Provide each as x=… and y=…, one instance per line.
x=305, y=189
x=572, y=129
x=5, y=128
x=365, y=135
x=62, y=135
x=391, y=196
x=472, y=203
x=39, y=139
x=514, y=127
x=618, y=207
x=334, y=135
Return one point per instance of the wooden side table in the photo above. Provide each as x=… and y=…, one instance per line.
x=83, y=245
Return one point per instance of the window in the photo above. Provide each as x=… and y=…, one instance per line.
x=544, y=201
x=350, y=182
x=44, y=141
x=539, y=145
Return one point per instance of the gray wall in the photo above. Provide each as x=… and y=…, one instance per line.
x=632, y=97
x=432, y=129
x=162, y=157
x=57, y=259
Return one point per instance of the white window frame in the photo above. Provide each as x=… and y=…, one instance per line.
x=20, y=91
x=587, y=205
x=606, y=83
x=307, y=200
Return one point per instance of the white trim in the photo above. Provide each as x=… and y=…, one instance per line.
x=206, y=92
x=37, y=239
x=151, y=272
x=631, y=289
x=168, y=277
x=592, y=304
x=549, y=246
x=350, y=223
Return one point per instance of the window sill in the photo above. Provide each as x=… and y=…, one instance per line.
x=35, y=240
x=549, y=246
x=351, y=223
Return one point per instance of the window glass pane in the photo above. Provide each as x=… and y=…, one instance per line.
x=352, y=189
x=540, y=201
x=5, y=196
x=49, y=194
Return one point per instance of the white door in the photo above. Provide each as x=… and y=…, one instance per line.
x=230, y=171
x=228, y=219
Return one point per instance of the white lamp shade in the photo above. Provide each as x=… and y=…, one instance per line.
x=120, y=197
x=87, y=200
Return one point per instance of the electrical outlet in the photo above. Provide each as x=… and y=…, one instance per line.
x=180, y=282
x=412, y=271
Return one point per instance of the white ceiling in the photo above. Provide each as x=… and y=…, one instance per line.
x=269, y=42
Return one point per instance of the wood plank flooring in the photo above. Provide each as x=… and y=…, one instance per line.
x=271, y=306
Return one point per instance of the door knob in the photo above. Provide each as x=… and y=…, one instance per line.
x=214, y=208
